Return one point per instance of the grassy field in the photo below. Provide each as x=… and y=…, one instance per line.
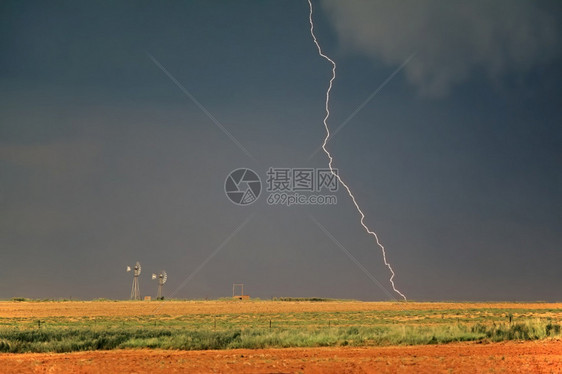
x=68, y=326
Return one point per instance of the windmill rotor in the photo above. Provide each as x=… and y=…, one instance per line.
x=164, y=276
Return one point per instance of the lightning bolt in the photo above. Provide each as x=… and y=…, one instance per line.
x=369, y=231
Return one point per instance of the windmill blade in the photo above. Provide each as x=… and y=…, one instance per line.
x=139, y=267
x=164, y=276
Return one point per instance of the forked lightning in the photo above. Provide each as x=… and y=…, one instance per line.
x=331, y=159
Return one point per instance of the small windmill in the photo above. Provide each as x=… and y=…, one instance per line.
x=135, y=290
x=162, y=278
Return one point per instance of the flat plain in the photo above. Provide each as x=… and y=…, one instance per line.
x=279, y=336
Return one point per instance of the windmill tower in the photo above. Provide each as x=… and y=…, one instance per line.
x=135, y=291
x=162, y=278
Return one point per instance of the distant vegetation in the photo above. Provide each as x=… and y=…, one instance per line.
x=36, y=300
x=261, y=330
x=313, y=299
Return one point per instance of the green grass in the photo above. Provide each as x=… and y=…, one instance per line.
x=294, y=329
x=56, y=339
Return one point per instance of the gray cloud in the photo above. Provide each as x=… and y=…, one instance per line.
x=50, y=157
x=453, y=39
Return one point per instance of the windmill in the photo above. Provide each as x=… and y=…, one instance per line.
x=162, y=278
x=135, y=291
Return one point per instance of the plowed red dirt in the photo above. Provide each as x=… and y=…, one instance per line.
x=510, y=357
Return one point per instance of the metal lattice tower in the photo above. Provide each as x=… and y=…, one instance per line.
x=162, y=278
x=135, y=289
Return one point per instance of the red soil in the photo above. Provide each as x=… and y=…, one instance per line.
x=510, y=357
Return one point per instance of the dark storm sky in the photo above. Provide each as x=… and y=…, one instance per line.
x=456, y=162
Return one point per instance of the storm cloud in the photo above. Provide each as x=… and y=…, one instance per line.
x=452, y=40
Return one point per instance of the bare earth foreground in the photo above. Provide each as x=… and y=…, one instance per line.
x=511, y=357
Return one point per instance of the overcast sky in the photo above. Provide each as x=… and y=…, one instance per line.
x=455, y=159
